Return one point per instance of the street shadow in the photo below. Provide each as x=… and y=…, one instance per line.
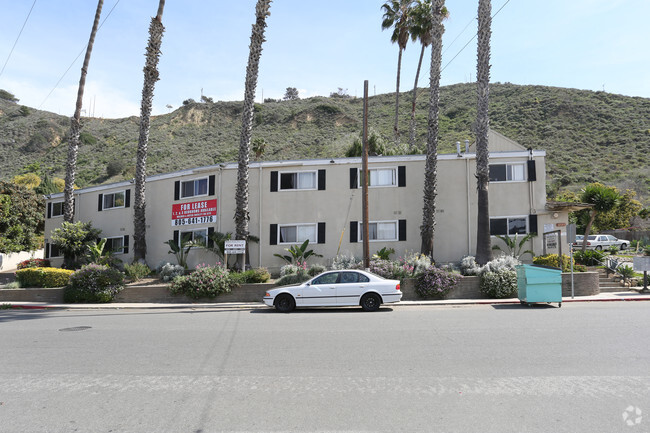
x=532, y=306
x=321, y=310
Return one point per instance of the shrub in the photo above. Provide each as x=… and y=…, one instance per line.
x=291, y=279
x=136, y=271
x=291, y=269
x=204, y=282
x=252, y=276
x=315, y=270
x=613, y=250
x=168, y=272
x=43, y=277
x=415, y=263
x=346, y=262
x=499, y=284
x=435, y=283
x=34, y=263
x=553, y=260
x=589, y=257
x=387, y=269
x=468, y=266
x=94, y=283
x=626, y=272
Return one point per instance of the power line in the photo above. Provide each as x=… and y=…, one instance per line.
x=19, y=33
x=78, y=55
x=473, y=37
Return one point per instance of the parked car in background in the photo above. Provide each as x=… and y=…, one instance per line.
x=336, y=289
x=578, y=243
x=603, y=242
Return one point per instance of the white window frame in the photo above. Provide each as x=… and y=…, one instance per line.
x=370, y=170
x=193, y=230
x=194, y=181
x=52, y=215
x=394, y=222
x=123, y=192
x=298, y=240
x=509, y=169
x=113, y=251
x=298, y=187
x=512, y=217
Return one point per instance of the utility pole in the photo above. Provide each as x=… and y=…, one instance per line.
x=364, y=177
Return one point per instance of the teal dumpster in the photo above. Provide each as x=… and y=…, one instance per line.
x=537, y=283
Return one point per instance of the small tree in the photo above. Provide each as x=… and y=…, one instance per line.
x=340, y=93
x=207, y=99
x=181, y=251
x=21, y=218
x=74, y=241
x=298, y=253
x=603, y=199
x=291, y=94
x=515, y=247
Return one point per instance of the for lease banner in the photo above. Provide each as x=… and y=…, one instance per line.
x=196, y=212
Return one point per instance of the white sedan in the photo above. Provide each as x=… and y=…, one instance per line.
x=603, y=242
x=336, y=289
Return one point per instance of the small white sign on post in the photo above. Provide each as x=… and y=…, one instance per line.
x=235, y=247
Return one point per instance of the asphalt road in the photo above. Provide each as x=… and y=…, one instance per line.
x=580, y=368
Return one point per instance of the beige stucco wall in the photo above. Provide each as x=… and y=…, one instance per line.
x=455, y=216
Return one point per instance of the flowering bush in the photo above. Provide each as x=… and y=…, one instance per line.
x=168, y=272
x=346, y=262
x=315, y=270
x=415, y=263
x=205, y=281
x=43, y=277
x=501, y=283
x=468, y=265
x=33, y=263
x=94, y=283
x=388, y=269
x=293, y=268
x=251, y=276
x=435, y=283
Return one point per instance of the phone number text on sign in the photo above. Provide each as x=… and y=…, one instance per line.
x=197, y=212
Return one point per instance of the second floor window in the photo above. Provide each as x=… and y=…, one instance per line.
x=193, y=188
x=114, y=200
x=507, y=173
x=298, y=180
x=57, y=209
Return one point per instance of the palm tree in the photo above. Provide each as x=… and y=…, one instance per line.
x=483, y=241
x=241, y=195
x=421, y=29
x=603, y=198
x=437, y=13
x=396, y=16
x=75, y=126
x=156, y=30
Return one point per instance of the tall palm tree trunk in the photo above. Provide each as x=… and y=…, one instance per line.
x=156, y=30
x=75, y=126
x=483, y=248
x=415, y=97
x=427, y=229
x=241, y=195
x=396, y=126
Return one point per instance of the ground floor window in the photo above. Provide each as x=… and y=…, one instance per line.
x=194, y=235
x=114, y=245
x=514, y=225
x=297, y=233
x=380, y=231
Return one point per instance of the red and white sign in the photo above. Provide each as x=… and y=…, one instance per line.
x=196, y=212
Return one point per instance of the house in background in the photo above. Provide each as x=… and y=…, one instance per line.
x=320, y=200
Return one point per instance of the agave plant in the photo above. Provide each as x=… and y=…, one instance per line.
x=298, y=253
x=514, y=246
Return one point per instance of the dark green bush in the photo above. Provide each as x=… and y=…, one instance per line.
x=43, y=277
x=94, y=283
x=435, y=283
x=252, y=276
x=499, y=284
x=136, y=271
x=203, y=282
x=589, y=257
x=291, y=279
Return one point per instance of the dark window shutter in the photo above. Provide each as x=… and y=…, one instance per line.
x=211, y=185
x=177, y=190
x=47, y=250
x=401, y=175
x=274, y=234
x=354, y=231
x=176, y=238
x=100, y=203
x=321, y=233
x=127, y=198
x=401, y=228
x=49, y=210
x=210, y=241
x=532, y=224
x=354, y=173
x=321, y=180
x=274, y=181
x=125, y=250
x=532, y=173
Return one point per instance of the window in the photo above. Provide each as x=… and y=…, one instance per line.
x=507, y=172
x=298, y=180
x=114, y=245
x=57, y=209
x=54, y=251
x=509, y=226
x=114, y=200
x=380, y=231
x=353, y=277
x=194, y=188
x=297, y=233
x=382, y=177
x=329, y=278
x=196, y=235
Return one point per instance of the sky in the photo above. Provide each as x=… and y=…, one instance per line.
x=314, y=46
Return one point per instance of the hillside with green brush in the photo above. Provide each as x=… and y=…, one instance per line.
x=588, y=136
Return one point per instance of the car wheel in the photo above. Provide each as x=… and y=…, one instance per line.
x=598, y=248
x=370, y=302
x=284, y=303
x=623, y=246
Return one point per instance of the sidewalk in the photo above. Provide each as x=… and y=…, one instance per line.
x=602, y=297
